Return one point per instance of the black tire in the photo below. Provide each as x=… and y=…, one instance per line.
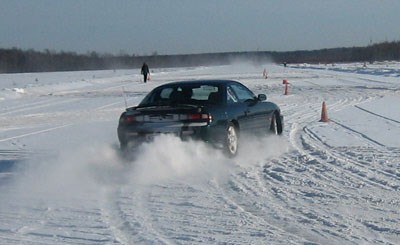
x=231, y=140
x=276, y=124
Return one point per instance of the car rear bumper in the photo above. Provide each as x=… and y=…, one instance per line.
x=135, y=136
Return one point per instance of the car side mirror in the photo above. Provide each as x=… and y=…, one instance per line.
x=262, y=97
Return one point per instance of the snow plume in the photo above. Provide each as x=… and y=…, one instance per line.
x=85, y=171
x=71, y=174
x=250, y=62
x=169, y=158
x=255, y=150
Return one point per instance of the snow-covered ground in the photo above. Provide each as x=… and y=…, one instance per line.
x=62, y=180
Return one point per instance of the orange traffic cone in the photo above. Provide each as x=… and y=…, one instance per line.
x=324, y=113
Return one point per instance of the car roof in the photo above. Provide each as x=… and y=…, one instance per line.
x=213, y=82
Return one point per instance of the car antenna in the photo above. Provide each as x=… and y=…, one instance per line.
x=123, y=93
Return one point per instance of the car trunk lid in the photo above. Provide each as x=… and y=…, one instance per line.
x=166, y=114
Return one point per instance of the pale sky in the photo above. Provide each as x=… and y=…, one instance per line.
x=142, y=27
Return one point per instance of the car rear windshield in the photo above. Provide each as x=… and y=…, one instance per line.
x=184, y=94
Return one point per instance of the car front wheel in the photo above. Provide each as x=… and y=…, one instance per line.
x=232, y=140
x=276, y=124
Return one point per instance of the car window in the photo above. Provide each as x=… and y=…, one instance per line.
x=242, y=92
x=231, y=98
x=203, y=92
x=165, y=93
x=185, y=94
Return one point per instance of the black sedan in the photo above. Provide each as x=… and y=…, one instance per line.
x=215, y=111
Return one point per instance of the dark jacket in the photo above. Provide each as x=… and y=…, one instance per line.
x=145, y=69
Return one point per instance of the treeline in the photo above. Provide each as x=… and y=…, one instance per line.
x=376, y=52
x=16, y=60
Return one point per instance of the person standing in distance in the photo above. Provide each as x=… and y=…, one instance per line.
x=145, y=71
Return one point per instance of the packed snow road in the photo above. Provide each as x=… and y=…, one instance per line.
x=62, y=180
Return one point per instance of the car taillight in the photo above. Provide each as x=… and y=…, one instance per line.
x=129, y=119
x=132, y=118
x=200, y=116
x=194, y=116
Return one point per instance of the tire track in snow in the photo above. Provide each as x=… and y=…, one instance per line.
x=125, y=214
x=310, y=167
x=376, y=114
x=280, y=205
x=185, y=221
x=318, y=170
x=272, y=204
x=324, y=154
x=32, y=106
x=34, y=133
x=51, y=222
x=356, y=166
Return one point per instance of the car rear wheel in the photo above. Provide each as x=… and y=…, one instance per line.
x=276, y=124
x=232, y=140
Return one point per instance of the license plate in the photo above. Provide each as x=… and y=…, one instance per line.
x=150, y=137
